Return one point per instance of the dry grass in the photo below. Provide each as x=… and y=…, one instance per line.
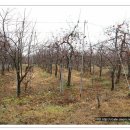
x=44, y=104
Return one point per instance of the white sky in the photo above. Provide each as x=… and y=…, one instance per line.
x=50, y=19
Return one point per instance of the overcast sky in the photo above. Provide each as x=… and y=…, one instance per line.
x=50, y=19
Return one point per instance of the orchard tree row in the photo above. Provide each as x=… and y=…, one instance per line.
x=70, y=50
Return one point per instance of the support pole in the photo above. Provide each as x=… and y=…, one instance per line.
x=82, y=62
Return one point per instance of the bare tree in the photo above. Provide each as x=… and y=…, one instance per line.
x=20, y=40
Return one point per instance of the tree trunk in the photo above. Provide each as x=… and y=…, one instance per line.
x=2, y=68
x=120, y=60
x=100, y=67
x=69, y=70
x=118, y=74
x=129, y=68
x=91, y=56
x=128, y=64
x=69, y=77
x=67, y=64
x=100, y=71
x=61, y=78
x=113, y=79
x=18, y=84
x=98, y=101
x=50, y=68
x=56, y=69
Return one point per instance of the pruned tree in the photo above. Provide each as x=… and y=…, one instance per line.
x=19, y=39
x=70, y=39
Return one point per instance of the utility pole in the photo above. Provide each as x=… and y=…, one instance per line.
x=82, y=62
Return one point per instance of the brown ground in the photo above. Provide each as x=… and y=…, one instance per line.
x=44, y=104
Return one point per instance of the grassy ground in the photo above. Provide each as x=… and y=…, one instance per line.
x=44, y=104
